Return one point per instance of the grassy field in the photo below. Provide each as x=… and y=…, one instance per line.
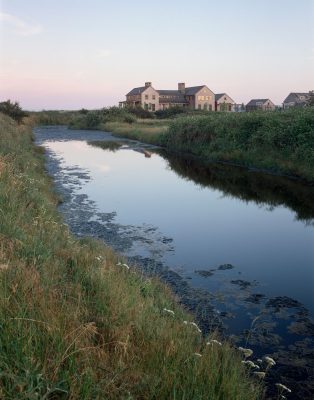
x=78, y=324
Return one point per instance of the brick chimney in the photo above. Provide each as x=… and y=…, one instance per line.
x=181, y=87
x=148, y=84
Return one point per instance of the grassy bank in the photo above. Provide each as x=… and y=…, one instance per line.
x=280, y=142
x=277, y=142
x=74, y=324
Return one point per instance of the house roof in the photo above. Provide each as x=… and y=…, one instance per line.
x=193, y=90
x=295, y=97
x=218, y=95
x=136, y=91
x=254, y=102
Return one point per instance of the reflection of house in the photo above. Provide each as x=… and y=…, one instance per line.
x=260, y=104
x=196, y=97
x=223, y=102
x=296, y=100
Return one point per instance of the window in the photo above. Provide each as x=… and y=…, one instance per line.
x=153, y=107
x=146, y=96
x=200, y=106
x=154, y=97
x=145, y=106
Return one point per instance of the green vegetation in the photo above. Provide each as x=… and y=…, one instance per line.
x=52, y=117
x=76, y=323
x=280, y=142
x=276, y=142
x=98, y=118
x=13, y=110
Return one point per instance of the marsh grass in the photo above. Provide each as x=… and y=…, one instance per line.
x=278, y=142
x=76, y=324
x=148, y=131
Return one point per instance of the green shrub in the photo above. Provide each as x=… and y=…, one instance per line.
x=13, y=110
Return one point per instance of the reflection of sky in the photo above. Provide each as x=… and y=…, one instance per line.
x=208, y=229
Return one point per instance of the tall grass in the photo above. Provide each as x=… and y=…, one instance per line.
x=276, y=141
x=77, y=324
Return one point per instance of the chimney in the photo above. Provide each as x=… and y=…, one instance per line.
x=148, y=84
x=181, y=87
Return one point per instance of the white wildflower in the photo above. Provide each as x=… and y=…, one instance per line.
x=126, y=266
x=250, y=364
x=196, y=326
x=213, y=341
x=260, y=375
x=198, y=354
x=169, y=311
x=270, y=361
x=283, y=387
x=246, y=352
x=259, y=360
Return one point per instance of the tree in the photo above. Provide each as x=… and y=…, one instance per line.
x=13, y=110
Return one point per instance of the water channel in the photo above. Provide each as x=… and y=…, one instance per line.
x=236, y=246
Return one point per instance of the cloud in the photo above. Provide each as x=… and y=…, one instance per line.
x=103, y=53
x=20, y=27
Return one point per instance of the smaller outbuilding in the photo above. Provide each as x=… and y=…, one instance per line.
x=260, y=104
x=223, y=102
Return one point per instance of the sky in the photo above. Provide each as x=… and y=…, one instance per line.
x=72, y=54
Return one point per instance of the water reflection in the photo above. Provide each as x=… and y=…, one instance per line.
x=264, y=189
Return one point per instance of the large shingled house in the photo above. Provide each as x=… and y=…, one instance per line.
x=195, y=97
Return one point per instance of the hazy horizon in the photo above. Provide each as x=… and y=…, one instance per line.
x=75, y=54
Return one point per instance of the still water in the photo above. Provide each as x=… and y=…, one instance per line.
x=235, y=245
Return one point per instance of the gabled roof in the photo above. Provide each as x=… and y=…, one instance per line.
x=137, y=90
x=218, y=95
x=189, y=91
x=254, y=102
x=295, y=97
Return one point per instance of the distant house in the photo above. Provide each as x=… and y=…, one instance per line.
x=260, y=104
x=195, y=97
x=296, y=100
x=145, y=96
x=223, y=102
